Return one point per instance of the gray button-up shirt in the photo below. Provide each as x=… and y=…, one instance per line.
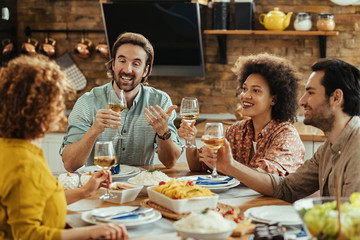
x=341, y=158
x=140, y=141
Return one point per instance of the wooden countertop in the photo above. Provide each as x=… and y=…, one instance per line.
x=306, y=132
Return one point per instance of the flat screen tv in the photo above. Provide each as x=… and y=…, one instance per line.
x=173, y=28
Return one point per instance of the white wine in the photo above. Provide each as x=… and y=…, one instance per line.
x=105, y=161
x=214, y=143
x=191, y=116
x=116, y=107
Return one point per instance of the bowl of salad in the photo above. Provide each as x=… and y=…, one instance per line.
x=320, y=216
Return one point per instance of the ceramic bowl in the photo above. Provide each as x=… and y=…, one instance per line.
x=205, y=234
x=323, y=217
x=123, y=196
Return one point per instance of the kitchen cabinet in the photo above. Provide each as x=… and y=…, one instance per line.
x=51, y=146
x=221, y=35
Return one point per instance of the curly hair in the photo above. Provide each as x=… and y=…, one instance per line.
x=281, y=77
x=32, y=90
x=134, y=39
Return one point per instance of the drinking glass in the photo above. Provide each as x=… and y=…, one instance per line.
x=117, y=104
x=189, y=111
x=214, y=138
x=104, y=157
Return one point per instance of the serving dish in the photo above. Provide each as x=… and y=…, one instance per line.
x=320, y=216
x=123, y=196
x=205, y=225
x=183, y=205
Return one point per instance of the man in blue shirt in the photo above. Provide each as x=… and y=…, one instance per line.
x=146, y=126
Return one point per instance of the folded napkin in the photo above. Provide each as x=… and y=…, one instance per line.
x=115, y=169
x=206, y=181
x=117, y=217
x=132, y=216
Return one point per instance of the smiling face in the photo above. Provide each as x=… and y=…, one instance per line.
x=129, y=67
x=317, y=109
x=256, y=99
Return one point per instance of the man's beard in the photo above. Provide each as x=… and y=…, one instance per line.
x=132, y=87
x=323, y=118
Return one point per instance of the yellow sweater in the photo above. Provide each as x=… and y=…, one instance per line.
x=32, y=201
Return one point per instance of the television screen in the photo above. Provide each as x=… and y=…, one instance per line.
x=172, y=28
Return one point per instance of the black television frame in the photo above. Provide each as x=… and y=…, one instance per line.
x=168, y=70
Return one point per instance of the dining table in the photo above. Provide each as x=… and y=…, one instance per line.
x=240, y=196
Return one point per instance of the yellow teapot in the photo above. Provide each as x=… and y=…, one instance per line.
x=275, y=20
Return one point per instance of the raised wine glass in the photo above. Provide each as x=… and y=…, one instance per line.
x=104, y=157
x=189, y=111
x=214, y=138
x=117, y=104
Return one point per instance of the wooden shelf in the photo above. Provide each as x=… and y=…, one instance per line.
x=202, y=2
x=267, y=32
x=221, y=35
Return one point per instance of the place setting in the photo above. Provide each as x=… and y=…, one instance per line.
x=117, y=171
x=130, y=216
x=283, y=214
x=218, y=184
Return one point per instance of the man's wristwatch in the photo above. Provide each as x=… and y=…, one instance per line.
x=166, y=135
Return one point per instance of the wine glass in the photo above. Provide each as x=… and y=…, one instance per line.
x=117, y=104
x=189, y=111
x=214, y=138
x=104, y=157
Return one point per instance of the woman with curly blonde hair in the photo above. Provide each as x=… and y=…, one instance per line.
x=267, y=141
x=32, y=202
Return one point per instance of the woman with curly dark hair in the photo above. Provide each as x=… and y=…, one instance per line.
x=267, y=141
x=32, y=201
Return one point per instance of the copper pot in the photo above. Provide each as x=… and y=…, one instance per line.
x=29, y=47
x=48, y=47
x=8, y=47
x=103, y=49
x=83, y=48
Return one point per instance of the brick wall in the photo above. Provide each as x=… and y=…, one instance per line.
x=216, y=91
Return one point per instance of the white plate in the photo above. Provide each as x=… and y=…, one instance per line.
x=108, y=210
x=214, y=188
x=125, y=171
x=195, y=177
x=284, y=214
x=86, y=217
x=222, y=189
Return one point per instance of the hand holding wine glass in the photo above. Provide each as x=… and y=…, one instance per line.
x=214, y=138
x=117, y=104
x=189, y=112
x=104, y=157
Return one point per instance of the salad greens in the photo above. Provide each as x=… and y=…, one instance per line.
x=322, y=222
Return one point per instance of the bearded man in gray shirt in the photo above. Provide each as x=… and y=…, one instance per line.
x=331, y=103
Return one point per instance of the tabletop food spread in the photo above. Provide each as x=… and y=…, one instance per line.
x=179, y=204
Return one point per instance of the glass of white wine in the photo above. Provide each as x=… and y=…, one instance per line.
x=214, y=138
x=117, y=104
x=189, y=111
x=104, y=157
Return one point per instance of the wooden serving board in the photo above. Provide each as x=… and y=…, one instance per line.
x=221, y=207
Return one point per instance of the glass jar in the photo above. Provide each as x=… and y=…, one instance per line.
x=303, y=22
x=325, y=22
